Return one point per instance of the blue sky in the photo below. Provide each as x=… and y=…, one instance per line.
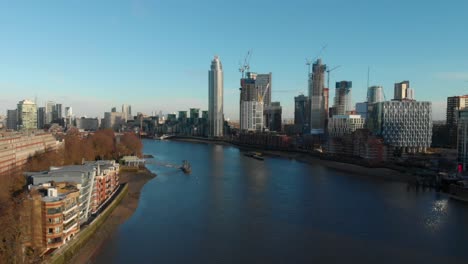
x=155, y=55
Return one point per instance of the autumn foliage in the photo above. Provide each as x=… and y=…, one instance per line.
x=101, y=145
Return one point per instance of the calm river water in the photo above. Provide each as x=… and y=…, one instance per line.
x=235, y=209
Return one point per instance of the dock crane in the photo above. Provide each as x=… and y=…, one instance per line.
x=328, y=75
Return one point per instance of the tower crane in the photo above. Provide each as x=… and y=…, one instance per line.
x=246, y=66
x=309, y=62
x=328, y=75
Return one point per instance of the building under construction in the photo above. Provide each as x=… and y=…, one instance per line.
x=343, y=102
x=318, y=113
x=252, y=103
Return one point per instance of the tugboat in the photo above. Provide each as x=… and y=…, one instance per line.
x=186, y=168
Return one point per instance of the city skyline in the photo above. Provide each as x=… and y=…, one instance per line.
x=133, y=52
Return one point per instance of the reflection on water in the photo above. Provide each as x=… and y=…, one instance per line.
x=235, y=209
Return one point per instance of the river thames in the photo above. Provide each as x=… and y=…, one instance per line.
x=236, y=209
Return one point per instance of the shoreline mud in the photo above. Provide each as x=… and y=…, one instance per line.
x=136, y=181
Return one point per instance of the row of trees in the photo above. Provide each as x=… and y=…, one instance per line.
x=101, y=145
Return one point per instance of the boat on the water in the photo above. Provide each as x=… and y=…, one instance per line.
x=186, y=167
x=255, y=155
x=163, y=137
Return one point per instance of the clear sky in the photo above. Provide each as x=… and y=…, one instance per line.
x=155, y=55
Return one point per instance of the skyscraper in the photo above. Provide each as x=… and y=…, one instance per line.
x=27, y=115
x=317, y=98
x=343, y=102
x=59, y=110
x=12, y=119
x=273, y=113
x=454, y=104
x=403, y=91
x=215, y=97
x=462, y=140
x=262, y=81
x=302, y=113
x=41, y=117
x=49, y=112
x=127, y=112
x=251, y=104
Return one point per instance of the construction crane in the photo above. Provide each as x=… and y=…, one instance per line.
x=309, y=62
x=246, y=66
x=328, y=75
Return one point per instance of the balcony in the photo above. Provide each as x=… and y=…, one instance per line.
x=68, y=218
x=69, y=227
x=74, y=206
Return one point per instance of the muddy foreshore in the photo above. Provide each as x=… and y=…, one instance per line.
x=126, y=208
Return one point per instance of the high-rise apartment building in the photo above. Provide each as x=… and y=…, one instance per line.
x=454, y=104
x=27, y=115
x=272, y=116
x=263, y=81
x=41, y=117
x=462, y=145
x=182, y=116
x=12, y=119
x=127, y=112
x=215, y=98
x=403, y=91
x=58, y=113
x=49, y=109
x=302, y=113
x=343, y=101
x=194, y=113
x=251, y=104
x=317, y=99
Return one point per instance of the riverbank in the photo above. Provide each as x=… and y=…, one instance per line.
x=126, y=208
x=381, y=173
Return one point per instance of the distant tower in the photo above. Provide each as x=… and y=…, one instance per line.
x=317, y=99
x=375, y=94
x=27, y=115
x=403, y=91
x=215, y=101
x=343, y=98
x=262, y=80
x=49, y=112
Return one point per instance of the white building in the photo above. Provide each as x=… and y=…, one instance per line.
x=406, y=125
x=251, y=104
x=340, y=125
x=251, y=116
x=215, y=95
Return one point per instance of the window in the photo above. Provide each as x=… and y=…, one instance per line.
x=56, y=210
